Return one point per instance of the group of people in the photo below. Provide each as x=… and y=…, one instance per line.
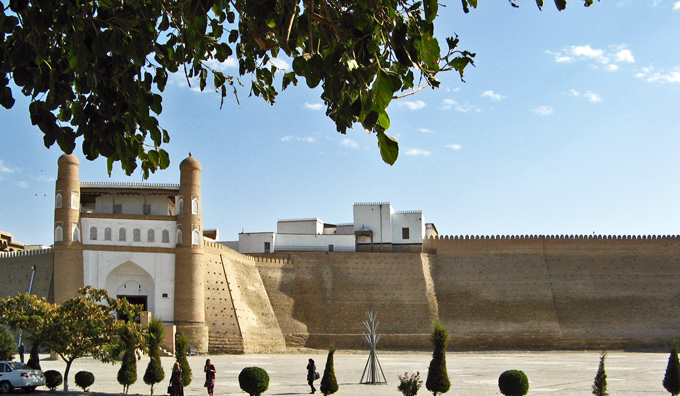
x=176, y=387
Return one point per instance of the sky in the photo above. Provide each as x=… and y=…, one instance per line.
x=569, y=124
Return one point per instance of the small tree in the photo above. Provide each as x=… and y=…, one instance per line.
x=409, y=385
x=34, y=357
x=127, y=375
x=181, y=356
x=513, y=383
x=600, y=383
x=671, y=381
x=7, y=346
x=154, y=371
x=253, y=380
x=84, y=379
x=437, y=377
x=329, y=384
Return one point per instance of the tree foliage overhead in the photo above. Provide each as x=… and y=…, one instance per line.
x=95, y=70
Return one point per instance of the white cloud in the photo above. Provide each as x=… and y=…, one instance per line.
x=676, y=6
x=454, y=146
x=229, y=63
x=349, y=143
x=314, y=106
x=649, y=74
x=287, y=139
x=625, y=56
x=600, y=58
x=492, y=95
x=575, y=93
x=592, y=97
x=417, y=105
x=543, y=110
x=6, y=169
x=425, y=130
x=22, y=184
x=279, y=63
x=448, y=103
x=418, y=152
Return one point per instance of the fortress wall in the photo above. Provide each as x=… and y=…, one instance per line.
x=322, y=298
x=238, y=312
x=558, y=292
x=16, y=270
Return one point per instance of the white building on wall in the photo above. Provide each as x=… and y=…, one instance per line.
x=376, y=227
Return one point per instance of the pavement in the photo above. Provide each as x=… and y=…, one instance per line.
x=471, y=373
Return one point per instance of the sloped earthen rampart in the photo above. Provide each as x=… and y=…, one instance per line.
x=239, y=315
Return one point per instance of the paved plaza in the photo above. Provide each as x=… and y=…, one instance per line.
x=471, y=373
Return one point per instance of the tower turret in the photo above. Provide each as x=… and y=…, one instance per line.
x=68, y=246
x=189, y=258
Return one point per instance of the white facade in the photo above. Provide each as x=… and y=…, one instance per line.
x=129, y=232
x=374, y=224
x=149, y=275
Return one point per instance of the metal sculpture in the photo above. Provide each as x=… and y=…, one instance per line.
x=372, y=371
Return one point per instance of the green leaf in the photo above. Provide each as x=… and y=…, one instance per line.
x=561, y=4
x=389, y=148
x=431, y=7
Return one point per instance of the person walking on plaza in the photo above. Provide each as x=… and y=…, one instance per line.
x=22, y=349
x=176, y=386
x=209, y=376
x=311, y=374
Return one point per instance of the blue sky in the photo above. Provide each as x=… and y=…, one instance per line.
x=568, y=124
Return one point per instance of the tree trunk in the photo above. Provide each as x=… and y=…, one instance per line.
x=68, y=368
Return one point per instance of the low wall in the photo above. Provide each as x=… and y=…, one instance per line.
x=16, y=268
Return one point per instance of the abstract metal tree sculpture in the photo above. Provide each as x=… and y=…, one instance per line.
x=372, y=371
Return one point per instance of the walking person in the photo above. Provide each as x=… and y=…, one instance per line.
x=311, y=374
x=22, y=349
x=176, y=385
x=209, y=376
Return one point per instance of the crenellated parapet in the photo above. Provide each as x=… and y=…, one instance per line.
x=25, y=253
x=218, y=248
x=553, y=237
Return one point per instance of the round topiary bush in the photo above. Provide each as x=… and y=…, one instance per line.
x=253, y=380
x=84, y=379
x=513, y=383
x=53, y=379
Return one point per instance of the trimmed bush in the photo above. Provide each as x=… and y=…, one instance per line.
x=154, y=371
x=409, y=385
x=181, y=357
x=671, y=380
x=329, y=384
x=437, y=377
x=53, y=379
x=84, y=379
x=253, y=380
x=513, y=383
x=600, y=383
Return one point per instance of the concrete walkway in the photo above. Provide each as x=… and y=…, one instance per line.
x=471, y=373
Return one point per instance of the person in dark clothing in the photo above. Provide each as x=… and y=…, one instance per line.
x=311, y=374
x=22, y=349
x=176, y=386
x=209, y=376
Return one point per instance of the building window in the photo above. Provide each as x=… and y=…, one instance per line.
x=267, y=247
x=196, y=237
x=107, y=233
x=147, y=209
x=165, y=236
x=180, y=206
x=150, y=235
x=404, y=233
x=136, y=235
x=93, y=233
x=194, y=206
x=75, y=234
x=57, y=201
x=74, y=201
x=122, y=234
x=117, y=209
x=179, y=237
x=58, y=234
